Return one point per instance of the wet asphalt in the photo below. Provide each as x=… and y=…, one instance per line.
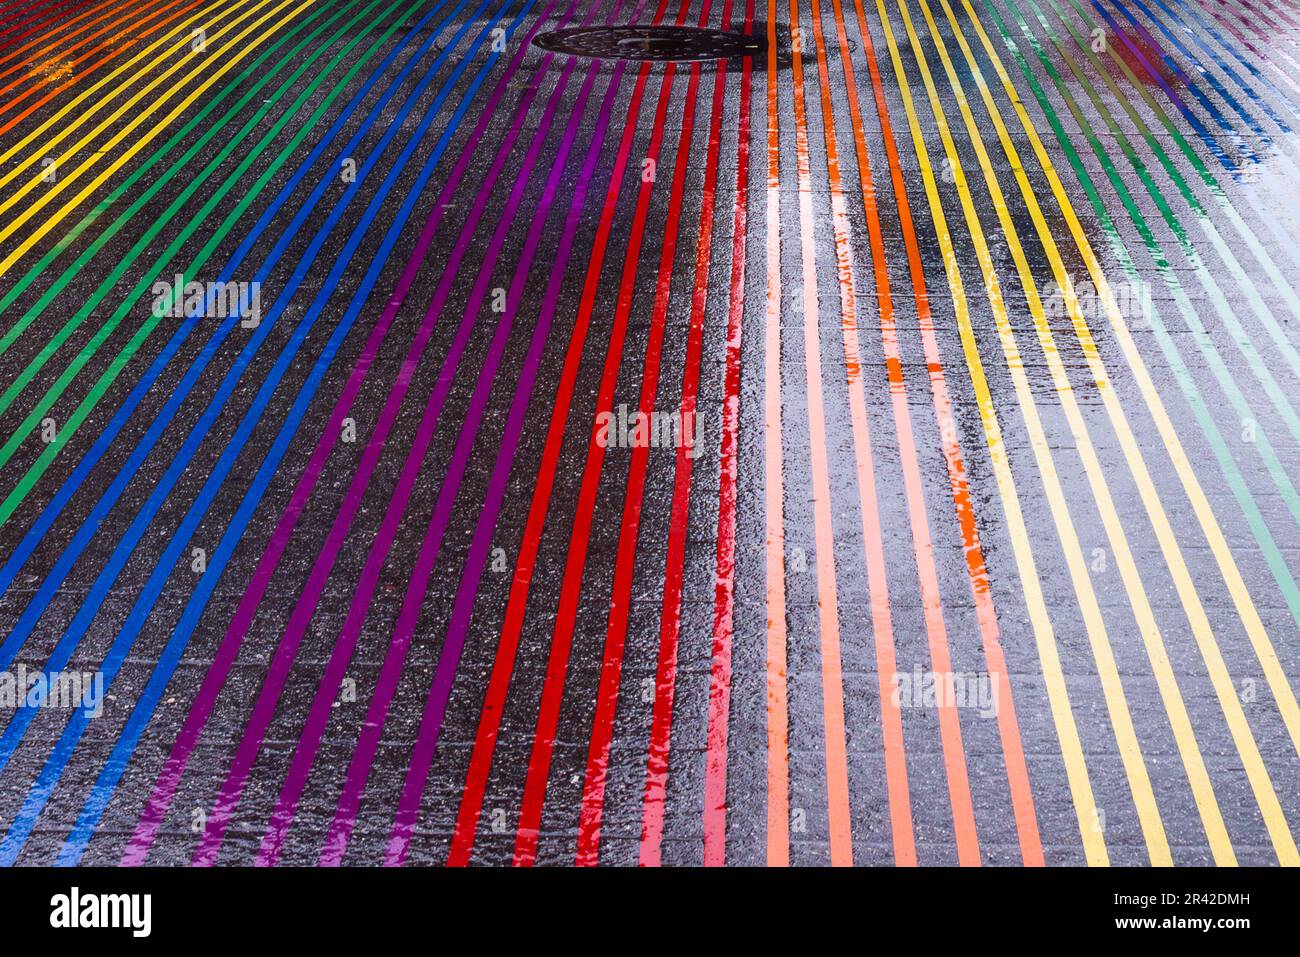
x=1220, y=467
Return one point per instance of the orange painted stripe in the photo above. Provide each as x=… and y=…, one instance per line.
x=46, y=47
x=33, y=107
x=778, y=721
x=900, y=809
x=954, y=756
x=50, y=65
x=1022, y=800
x=837, y=780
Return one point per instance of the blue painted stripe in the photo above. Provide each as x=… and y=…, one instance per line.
x=1214, y=55
x=48, y=779
x=1214, y=146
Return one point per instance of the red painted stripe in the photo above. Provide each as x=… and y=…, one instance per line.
x=462, y=843
x=624, y=567
x=539, y=762
x=14, y=121
x=47, y=21
x=715, y=759
x=778, y=711
x=38, y=64
x=670, y=618
x=46, y=46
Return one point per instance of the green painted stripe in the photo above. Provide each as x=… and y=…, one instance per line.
x=1280, y=284
x=179, y=166
x=1216, y=294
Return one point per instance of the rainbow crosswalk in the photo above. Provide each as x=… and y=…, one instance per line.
x=877, y=449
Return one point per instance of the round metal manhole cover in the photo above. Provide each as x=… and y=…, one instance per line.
x=651, y=43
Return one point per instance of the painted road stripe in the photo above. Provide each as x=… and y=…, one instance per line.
x=1188, y=749
x=345, y=644
x=1246, y=62
x=112, y=772
x=184, y=628
x=1054, y=679
x=1281, y=156
x=124, y=261
x=51, y=63
x=1216, y=295
x=778, y=709
x=895, y=757
x=146, y=60
x=1201, y=629
x=1280, y=12
x=78, y=75
x=156, y=184
x=602, y=725
x=1284, y=151
x=1277, y=679
x=69, y=427
x=1223, y=65
x=1117, y=706
x=1280, y=285
x=724, y=597
x=1223, y=374
x=839, y=814
x=449, y=654
x=1231, y=472
x=84, y=468
x=51, y=57
x=31, y=11
x=52, y=394
x=229, y=55
x=34, y=16
x=180, y=538
x=655, y=789
x=471, y=802
x=1201, y=97
x=1215, y=10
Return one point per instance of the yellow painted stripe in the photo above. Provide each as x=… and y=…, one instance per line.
x=1274, y=819
x=117, y=81
x=1162, y=669
x=229, y=55
x=1112, y=688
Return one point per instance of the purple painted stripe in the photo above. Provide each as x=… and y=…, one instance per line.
x=358, y=771
x=219, y=672
x=309, y=740
x=457, y=629
x=341, y=656
x=269, y=698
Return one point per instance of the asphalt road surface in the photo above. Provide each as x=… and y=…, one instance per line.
x=813, y=432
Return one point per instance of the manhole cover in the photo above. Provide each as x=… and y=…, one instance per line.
x=651, y=43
